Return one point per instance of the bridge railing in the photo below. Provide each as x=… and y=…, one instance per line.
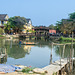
x=24, y=34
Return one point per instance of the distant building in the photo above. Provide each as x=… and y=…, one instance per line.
x=3, y=20
x=44, y=29
x=52, y=31
x=29, y=22
x=28, y=26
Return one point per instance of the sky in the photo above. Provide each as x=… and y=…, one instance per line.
x=41, y=12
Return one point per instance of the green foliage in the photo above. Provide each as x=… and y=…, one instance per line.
x=43, y=74
x=72, y=15
x=27, y=31
x=66, y=39
x=16, y=23
x=16, y=52
x=32, y=31
x=59, y=24
x=27, y=69
x=1, y=30
x=51, y=26
x=66, y=25
x=55, y=73
x=1, y=36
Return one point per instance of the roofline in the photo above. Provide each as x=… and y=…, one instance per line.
x=3, y=14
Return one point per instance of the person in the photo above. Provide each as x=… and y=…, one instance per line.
x=20, y=42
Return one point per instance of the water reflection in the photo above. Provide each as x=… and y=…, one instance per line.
x=43, y=53
x=13, y=49
x=3, y=55
x=17, y=51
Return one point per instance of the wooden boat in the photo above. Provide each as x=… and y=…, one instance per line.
x=24, y=43
x=29, y=43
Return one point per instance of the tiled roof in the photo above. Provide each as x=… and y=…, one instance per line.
x=41, y=27
x=28, y=20
x=2, y=16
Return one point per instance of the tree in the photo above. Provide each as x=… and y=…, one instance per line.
x=58, y=26
x=72, y=15
x=51, y=26
x=67, y=25
x=16, y=23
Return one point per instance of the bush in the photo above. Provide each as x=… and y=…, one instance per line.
x=27, y=69
x=1, y=30
x=1, y=36
x=66, y=39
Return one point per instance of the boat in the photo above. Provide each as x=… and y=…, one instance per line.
x=29, y=43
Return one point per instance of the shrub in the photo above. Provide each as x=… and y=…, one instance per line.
x=27, y=69
x=1, y=30
x=66, y=39
x=1, y=36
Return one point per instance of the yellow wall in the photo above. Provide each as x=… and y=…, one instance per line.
x=27, y=27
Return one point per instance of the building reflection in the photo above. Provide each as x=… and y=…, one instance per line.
x=13, y=50
x=16, y=51
x=3, y=55
x=27, y=48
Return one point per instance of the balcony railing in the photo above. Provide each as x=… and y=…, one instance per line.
x=1, y=24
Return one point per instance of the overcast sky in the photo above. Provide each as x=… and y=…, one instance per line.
x=41, y=12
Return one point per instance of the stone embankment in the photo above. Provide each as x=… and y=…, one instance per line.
x=53, y=69
x=12, y=36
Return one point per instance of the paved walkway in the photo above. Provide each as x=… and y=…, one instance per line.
x=18, y=73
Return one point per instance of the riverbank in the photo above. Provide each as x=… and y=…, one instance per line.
x=24, y=52
x=66, y=39
x=59, y=67
x=9, y=36
x=2, y=36
x=19, y=73
x=19, y=70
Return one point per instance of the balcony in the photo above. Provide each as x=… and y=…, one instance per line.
x=1, y=26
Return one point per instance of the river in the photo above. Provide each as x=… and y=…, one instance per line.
x=38, y=55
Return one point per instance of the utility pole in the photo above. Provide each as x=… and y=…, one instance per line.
x=51, y=54
x=71, y=55
x=60, y=56
x=63, y=50
x=72, y=49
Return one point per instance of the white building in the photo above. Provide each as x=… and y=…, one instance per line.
x=3, y=19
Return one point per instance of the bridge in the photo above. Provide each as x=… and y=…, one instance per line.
x=41, y=31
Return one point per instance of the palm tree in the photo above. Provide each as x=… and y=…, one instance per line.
x=69, y=26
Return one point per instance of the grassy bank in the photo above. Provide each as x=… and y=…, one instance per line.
x=66, y=39
x=1, y=36
x=29, y=70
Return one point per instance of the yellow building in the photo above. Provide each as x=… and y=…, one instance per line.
x=28, y=26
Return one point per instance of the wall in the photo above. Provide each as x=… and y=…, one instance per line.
x=27, y=27
x=52, y=31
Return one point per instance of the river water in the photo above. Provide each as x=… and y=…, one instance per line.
x=32, y=55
